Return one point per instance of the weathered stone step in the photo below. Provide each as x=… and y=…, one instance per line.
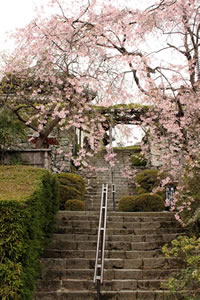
x=115, y=245
x=117, y=231
x=134, y=246
x=91, y=295
x=51, y=253
x=124, y=214
x=113, y=285
x=113, y=238
x=123, y=225
x=110, y=263
x=110, y=245
x=117, y=218
x=110, y=274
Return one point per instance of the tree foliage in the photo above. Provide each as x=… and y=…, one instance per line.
x=11, y=129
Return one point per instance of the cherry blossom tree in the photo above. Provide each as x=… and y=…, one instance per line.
x=166, y=72
x=55, y=74
x=120, y=54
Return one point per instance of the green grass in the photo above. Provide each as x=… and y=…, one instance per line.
x=18, y=182
x=136, y=148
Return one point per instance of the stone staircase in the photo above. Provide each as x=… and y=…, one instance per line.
x=94, y=181
x=134, y=265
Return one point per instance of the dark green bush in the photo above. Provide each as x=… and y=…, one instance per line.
x=71, y=186
x=125, y=203
x=72, y=180
x=28, y=204
x=148, y=202
x=67, y=193
x=147, y=180
x=144, y=202
x=138, y=160
x=74, y=204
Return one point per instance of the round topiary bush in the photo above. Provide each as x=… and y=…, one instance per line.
x=72, y=180
x=67, y=193
x=141, y=203
x=74, y=205
x=125, y=203
x=71, y=186
x=147, y=180
x=148, y=202
x=138, y=160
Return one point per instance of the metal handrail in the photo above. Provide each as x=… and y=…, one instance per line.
x=101, y=238
x=113, y=196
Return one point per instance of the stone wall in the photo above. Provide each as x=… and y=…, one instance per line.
x=40, y=158
x=56, y=158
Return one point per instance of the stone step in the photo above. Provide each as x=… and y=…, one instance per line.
x=124, y=225
x=108, y=285
x=51, y=253
x=134, y=264
x=109, y=274
x=117, y=231
x=91, y=295
x=110, y=263
x=115, y=218
x=124, y=214
x=113, y=238
x=115, y=245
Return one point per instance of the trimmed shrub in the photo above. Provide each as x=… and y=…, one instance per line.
x=28, y=204
x=72, y=180
x=138, y=160
x=67, y=193
x=147, y=180
x=144, y=202
x=125, y=203
x=71, y=186
x=148, y=202
x=74, y=204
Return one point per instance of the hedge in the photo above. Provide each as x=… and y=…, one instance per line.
x=71, y=186
x=141, y=203
x=74, y=205
x=125, y=203
x=28, y=204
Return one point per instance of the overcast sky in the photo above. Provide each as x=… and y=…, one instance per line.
x=18, y=13
x=13, y=14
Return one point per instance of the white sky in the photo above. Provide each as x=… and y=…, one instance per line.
x=17, y=13
x=13, y=14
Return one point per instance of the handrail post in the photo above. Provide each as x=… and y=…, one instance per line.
x=99, y=262
x=113, y=196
